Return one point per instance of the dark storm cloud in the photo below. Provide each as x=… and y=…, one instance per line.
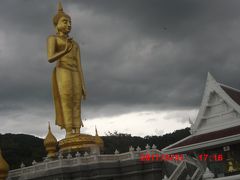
x=183, y=39
x=136, y=55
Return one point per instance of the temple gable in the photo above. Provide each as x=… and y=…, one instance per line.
x=219, y=108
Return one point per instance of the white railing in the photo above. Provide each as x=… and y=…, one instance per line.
x=197, y=174
x=80, y=160
x=69, y=161
x=178, y=171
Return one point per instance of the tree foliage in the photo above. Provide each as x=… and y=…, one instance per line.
x=21, y=148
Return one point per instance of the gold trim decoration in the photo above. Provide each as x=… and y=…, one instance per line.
x=82, y=142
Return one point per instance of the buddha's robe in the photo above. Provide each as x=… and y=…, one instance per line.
x=67, y=88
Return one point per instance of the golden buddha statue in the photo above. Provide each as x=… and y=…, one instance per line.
x=67, y=80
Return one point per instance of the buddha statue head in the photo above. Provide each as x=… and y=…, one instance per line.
x=62, y=21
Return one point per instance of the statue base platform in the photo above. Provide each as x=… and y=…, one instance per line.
x=79, y=143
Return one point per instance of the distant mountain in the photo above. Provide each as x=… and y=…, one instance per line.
x=121, y=142
x=18, y=148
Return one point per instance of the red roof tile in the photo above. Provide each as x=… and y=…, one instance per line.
x=208, y=136
x=233, y=93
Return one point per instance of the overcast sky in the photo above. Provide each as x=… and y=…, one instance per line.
x=145, y=61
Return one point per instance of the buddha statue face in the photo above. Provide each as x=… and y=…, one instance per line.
x=64, y=25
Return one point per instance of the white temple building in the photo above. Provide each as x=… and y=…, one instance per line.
x=215, y=134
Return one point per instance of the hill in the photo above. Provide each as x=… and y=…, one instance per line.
x=18, y=148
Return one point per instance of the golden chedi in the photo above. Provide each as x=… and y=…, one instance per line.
x=4, y=167
x=50, y=143
x=98, y=140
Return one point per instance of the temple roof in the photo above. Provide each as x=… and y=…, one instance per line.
x=233, y=93
x=208, y=137
x=217, y=122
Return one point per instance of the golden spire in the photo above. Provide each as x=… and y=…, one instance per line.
x=98, y=139
x=96, y=132
x=49, y=127
x=50, y=143
x=4, y=167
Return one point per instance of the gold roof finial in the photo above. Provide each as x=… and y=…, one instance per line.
x=4, y=167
